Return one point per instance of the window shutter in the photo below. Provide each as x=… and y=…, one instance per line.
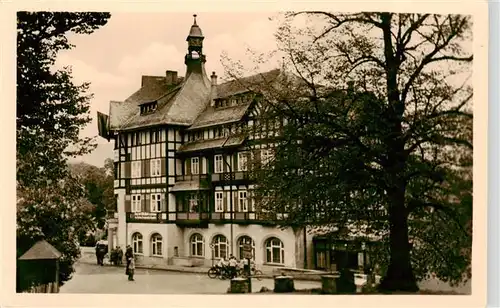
x=128, y=204
x=163, y=203
x=235, y=162
x=127, y=169
x=143, y=203
x=188, y=166
x=147, y=168
x=163, y=166
x=224, y=202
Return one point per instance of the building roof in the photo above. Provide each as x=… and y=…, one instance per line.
x=187, y=186
x=217, y=116
x=211, y=144
x=177, y=104
x=246, y=84
x=42, y=250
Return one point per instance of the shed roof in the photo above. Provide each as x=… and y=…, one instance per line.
x=42, y=250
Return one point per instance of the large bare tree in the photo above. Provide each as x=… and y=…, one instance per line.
x=381, y=120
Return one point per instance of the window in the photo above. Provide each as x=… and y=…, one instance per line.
x=156, y=245
x=219, y=203
x=245, y=240
x=155, y=167
x=136, y=169
x=242, y=161
x=266, y=156
x=195, y=165
x=219, y=132
x=242, y=201
x=154, y=136
x=137, y=243
x=197, y=245
x=275, y=252
x=218, y=164
x=155, y=202
x=138, y=139
x=136, y=203
x=193, y=203
x=220, y=247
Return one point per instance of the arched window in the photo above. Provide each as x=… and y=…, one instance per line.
x=137, y=243
x=245, y=240
x=220, y=247
x=275, y=252
x=196, y=245
x=156, y=245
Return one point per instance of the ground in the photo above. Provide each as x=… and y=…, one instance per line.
x=90, y=278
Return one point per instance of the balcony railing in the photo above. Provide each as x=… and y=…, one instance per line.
x=190, y=218
x=230, y=176
x=191, y=177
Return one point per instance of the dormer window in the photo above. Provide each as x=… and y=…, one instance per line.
x=148, y=107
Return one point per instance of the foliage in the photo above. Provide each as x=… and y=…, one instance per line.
x=98, y=183
x=378, y=136
x=51, y=110
x=56, y=213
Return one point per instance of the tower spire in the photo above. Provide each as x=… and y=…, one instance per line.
x=194, y=23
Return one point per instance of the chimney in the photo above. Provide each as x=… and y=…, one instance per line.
x=171, y=77
x=214, y=79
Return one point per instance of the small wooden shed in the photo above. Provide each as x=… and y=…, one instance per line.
x=40, y=264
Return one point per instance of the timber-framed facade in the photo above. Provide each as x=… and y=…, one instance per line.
x=182, y=152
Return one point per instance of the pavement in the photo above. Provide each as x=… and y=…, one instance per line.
x=91, y=278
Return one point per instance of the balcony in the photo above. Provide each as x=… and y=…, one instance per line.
x=191, y=177
x=188, y=182
x=238, y=176
x=192, y=219
x=243, y=218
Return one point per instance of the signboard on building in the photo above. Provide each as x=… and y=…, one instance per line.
x=145, y=216
x=247, y=251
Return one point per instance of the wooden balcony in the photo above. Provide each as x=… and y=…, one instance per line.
x=200, y=220
x=238, y=176
x=191, y=177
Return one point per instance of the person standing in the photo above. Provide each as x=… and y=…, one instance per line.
x=129, y=255
x=120, y=255
x=232, y=266
x=131, y=269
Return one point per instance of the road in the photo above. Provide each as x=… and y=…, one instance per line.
x=90, y=278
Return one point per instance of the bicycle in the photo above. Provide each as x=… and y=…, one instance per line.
x=255, y=273
x=218, y=272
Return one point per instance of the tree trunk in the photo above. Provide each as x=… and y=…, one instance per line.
x=399, y=275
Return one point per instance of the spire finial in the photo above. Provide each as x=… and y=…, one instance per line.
x=194, y=15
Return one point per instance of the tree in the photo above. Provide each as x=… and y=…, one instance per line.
x=51, y=110
x=98, y=183
x=378, y=135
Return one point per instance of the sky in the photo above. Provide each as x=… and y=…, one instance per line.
x=130, y=45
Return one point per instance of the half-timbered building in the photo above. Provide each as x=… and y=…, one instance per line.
x=181, y=171
x=182, y=152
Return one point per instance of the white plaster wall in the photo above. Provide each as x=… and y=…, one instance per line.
x=257, y=232
x=175, y=239
x=121, y=228
x=147, y=230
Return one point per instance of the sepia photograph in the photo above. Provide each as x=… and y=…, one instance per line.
x=309, y=152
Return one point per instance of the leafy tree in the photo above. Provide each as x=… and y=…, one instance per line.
x=51, y=110
x=98, y=183
x=378, y=136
